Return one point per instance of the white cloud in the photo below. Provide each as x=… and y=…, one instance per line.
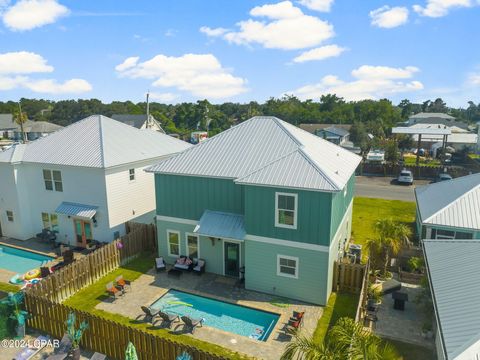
x=213, y=32
x=370, y=82
x=164, y=97
x=318, y=5
x=320, y=53
x=474, y=79
x=201, y=75
x=23, y=62
x=29, y=14
x=14, y=66
x=387, y=17
x=49, y=86
x=282, y=26
x=439, y=8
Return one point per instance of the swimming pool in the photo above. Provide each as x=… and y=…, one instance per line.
x=20, y=261
x=236, y=319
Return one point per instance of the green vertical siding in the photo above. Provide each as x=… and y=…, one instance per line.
x=313, y=215
x=261, y=272
x=187, y=196
x=340, y=203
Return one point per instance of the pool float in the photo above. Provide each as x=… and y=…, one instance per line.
x=26, y=284
x=16, y=279
x=180, y=303
x=32, y=274
x=34, y=281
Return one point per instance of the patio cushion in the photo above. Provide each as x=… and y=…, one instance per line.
x=182, y=266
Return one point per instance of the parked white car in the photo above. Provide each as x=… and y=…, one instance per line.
x=405, y=177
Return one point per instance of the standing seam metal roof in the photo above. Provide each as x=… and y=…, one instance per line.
x=453, y=273
x=264, y=151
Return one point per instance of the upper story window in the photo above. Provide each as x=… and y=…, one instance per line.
x=286, y=210
x=9, y=215
x=131, y=174
x=53, y=180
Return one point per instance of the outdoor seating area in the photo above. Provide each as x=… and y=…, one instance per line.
x=118, y=288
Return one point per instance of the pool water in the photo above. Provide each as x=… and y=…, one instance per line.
x=20, y=261
x=236, y=319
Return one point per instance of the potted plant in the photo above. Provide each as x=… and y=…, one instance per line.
x=374, y=295
x=415, y=264
x=75, y=335
x=184, y=356
x=15, y=301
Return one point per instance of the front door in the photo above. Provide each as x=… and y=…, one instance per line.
x=83, y=232
x=232, y=258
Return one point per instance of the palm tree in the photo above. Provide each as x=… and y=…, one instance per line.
x=347, y=340
x=391, y=237
x=20, y=118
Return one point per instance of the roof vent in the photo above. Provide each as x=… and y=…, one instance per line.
x=336, y=172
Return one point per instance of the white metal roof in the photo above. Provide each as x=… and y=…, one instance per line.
x=454, y=138
x=424, y=115
x=75, y=209
x=453, y=203
x=264, y=151
x=420, y=130
x=453, y=269
x=100, y=142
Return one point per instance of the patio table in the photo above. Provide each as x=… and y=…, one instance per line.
x=174, y=272
x=399, y=300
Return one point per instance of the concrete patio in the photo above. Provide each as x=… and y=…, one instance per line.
x=151, y=286
x=403, y=325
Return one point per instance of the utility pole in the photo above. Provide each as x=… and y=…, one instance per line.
x=148, y=110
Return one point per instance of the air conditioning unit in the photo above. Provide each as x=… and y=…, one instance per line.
x=356, y=250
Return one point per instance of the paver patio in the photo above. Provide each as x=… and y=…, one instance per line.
x=151, y=286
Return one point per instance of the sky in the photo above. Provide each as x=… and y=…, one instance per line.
x=240, y=50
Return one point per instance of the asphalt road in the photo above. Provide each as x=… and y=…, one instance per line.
x=385, y=188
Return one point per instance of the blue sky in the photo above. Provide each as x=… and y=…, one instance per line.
x=185, y=50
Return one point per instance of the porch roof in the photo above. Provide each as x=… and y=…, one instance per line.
x=221, y=225
x=75, y=209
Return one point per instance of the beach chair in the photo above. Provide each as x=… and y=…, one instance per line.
x=122, y=283
x=191, y=324
x=160, y=264
x=150, y=313
x=113, y=291
x=30, y=351
x=168, y=319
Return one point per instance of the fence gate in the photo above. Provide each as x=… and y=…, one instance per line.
x=348, y=277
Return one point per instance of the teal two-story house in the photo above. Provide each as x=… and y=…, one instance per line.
x=263, y=200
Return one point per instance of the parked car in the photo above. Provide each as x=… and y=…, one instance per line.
x=442, y=177
x=405, y=177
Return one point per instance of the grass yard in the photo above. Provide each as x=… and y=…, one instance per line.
x=366, y=211
x=88, y=298
x=412, y=160
x=5, y=287
x=339, y=305
x=412, y=352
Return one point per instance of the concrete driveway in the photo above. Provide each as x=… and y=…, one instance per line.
x=385, y=188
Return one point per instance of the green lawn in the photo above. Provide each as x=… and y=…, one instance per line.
x=366, y=211
x=339, y=305
x=88, y=298
x=8, y=287
x=412, y=352
x=411, y=161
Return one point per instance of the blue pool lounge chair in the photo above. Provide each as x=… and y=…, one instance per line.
x=29, y=352
x=191, y=324
x=168, y=319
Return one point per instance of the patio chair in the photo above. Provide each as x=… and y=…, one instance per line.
x=113, y=291
x=44, y=271
x=199, y=267
x=61, y=352
x=30, y=351
x=150, y=313
x=122, y=283
x=168, y=319
x=68, y=257
x=297, y=315
x=293, y=326
x=160, y=264
x=191, y=324
x=98, y=356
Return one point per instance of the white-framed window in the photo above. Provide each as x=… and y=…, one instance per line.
x=50, y=221
x=53, y=180
x=131, y=174
x=286, y=210
x=9, y=215
x=287, y=266
x=193, y=246
x=449, y=235
x=173, y=241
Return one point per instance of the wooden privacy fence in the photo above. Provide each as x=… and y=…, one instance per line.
x=348, y=277
x=85, y=270
x=105, y=336
x=362, y=301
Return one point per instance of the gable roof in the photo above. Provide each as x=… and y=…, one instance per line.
x=100, y=142
x=267, y=151
x=6, y=122
x=135, y=120
x=40, y=127
x=311, y=128
x=453, y=203
x=336, y=130
x=424, y=115
x=453, y=274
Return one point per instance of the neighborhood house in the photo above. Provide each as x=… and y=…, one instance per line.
x=263, y=201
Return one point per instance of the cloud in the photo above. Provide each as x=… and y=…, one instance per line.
x=213, y=32
x=282, y=26
x=387, y=17
x=16, y=69
x=49, y=86
x=164, y=97
x=30, y=14
x=318, y=5
x=439, y=8
x=23, y=62
x=319, y=53
x=370, y=82
x=201, y=75
x=474, y=79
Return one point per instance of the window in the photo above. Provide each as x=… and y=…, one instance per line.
x=10, y=215
x=131, y=174
x=173, y=238
x=192, y=246
x=286, y=210
x=50, y=221
x=53, y=179
x=287, y=266
x=448, y=235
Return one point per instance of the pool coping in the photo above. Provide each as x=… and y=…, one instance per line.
x=231, y=302
x=53, y=256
